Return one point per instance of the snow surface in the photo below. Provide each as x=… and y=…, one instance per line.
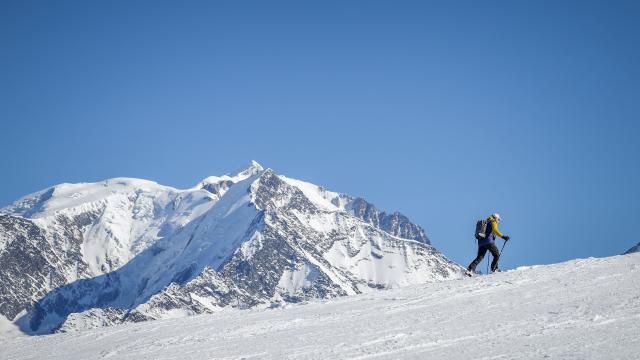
x=581, y=309
x=8, y=329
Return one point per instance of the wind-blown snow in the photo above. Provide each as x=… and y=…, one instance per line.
x=581, y=309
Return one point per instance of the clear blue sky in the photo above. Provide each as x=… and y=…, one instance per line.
x=444, y=112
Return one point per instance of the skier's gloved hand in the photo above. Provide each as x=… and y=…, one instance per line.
x=506, y=238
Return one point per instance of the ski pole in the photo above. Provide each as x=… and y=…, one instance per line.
x=505, y=243
x=502, y=249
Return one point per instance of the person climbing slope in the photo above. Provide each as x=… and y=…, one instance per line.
x=486, y=235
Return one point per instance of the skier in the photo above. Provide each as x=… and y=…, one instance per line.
x=488, y=242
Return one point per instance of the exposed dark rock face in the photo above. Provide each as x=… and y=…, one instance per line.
x=218, y=188
x=31, y=262
x=395, y=224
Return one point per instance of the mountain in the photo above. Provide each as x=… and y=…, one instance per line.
x=581, y=309
x=634, y=249
x=77, y=256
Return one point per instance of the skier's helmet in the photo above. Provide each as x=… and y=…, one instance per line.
x=496, y=216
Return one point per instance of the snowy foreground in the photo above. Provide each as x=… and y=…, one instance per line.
x=582, y=309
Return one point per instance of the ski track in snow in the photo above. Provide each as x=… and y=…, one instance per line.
x=581, y=309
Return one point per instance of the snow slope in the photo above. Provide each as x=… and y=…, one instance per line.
x=581, y=309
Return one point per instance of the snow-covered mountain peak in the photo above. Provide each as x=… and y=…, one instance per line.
x=253, y=168
x=218, y=185
x=132, y=250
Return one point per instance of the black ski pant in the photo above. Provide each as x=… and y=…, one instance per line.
x=482, y=250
